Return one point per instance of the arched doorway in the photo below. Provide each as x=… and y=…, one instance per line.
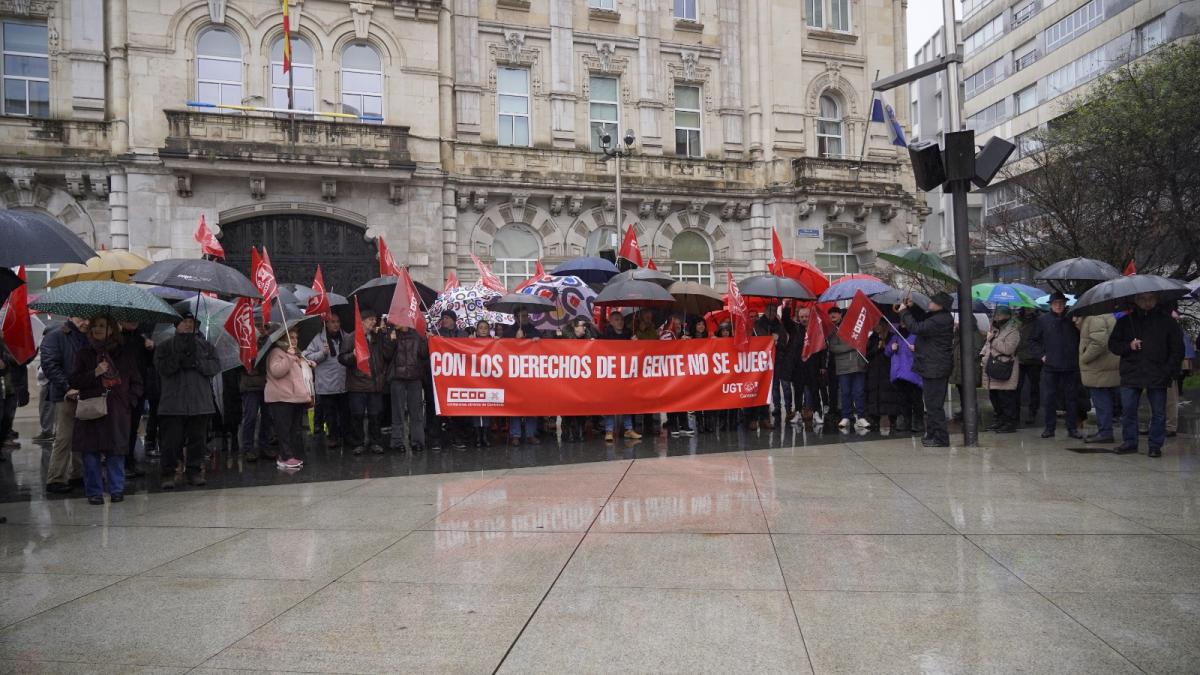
x=296, y=242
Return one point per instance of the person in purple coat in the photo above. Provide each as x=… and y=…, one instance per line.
x=900, y=349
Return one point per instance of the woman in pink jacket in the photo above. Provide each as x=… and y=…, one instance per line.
x=289, y=396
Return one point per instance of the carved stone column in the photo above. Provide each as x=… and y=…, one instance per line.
x=468, y=82
x=562, y=73
x=731, y=111
x=650, y=77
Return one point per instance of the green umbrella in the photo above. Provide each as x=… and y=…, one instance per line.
x=1003, y=294
x=123, y=302
x=921, y=262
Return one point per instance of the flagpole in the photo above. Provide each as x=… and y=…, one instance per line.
x=867, y=127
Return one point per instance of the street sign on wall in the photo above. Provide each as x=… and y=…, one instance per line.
x=808, y=232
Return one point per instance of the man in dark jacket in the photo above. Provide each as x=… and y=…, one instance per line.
x=444, y=430
x=58, y=360
x=365, y=390
x=255, y=416
x=1055, y=342
x=14, y=393
x=933, y=360
x=138, y=343
x=186, y=364
x=806, y=375
x=409, y=358
x=522, y=329
x=1031, y=368
x=781, y=391
x=1150, y=344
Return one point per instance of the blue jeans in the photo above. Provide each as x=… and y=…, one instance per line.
x=610, y=423
x=1130, y=398
x=1068, y=382
x=782, y=402
x=853, y=388
x=93, y=484
x=515, y=424
x=1102, y=399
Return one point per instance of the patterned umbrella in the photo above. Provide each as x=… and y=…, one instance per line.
x=572, y=299
x=1013, y=295
x=122, y=302
x=469, y=304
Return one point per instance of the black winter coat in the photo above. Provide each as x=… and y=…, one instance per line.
x=358, y=381
x=186, y=364
x=883, y=397
x=14, y=379
x=934, y=356
x=409, y=354
x=59, y=348
x=1161, y=356
x=1056, y=338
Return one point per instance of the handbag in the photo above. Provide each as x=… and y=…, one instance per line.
x=1000, y=368
x=92, y=408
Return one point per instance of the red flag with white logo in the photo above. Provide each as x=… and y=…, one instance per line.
x=387, y=264
x=208, y=241
x=362, y=352
x=263, y=277
x=776, y=247
x=538, y=273
x=318, y=304
x=487, y=277
x=629, y=247
x=819, y=327
x=406, y=304
x=740, y=315
x=17, y=329
x=240, y=325
x=860, y=320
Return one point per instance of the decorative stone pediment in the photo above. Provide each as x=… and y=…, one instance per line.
x=360, y=13
x=832, y=79
x=216, y=11
x=27, y=8
x=605, y=62
x=514, y=54
x=689, y=71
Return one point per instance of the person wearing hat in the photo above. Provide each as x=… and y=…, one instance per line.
x=1055, y=342
x=933, y=360
x=364, y=391
x=1150, y=345
x=1000, y=353
x=186, y=364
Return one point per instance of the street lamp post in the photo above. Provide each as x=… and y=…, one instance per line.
x=616, y=152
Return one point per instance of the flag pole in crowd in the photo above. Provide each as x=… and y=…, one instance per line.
x=17, y=331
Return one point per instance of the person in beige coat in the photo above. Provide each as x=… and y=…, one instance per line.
x=1002, y=342
x=1100, y=371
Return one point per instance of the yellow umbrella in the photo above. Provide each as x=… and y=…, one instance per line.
x=106, y=266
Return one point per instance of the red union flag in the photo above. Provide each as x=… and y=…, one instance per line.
x=263, y=277
x=362, y=352
x=387, y=264
x=406, y=304
x=208, y=241
x=860, y=319
x=818, y=329
x=451, y=282
x=319, y=303
x=487, y=277
x=776, y=247
x=538, y=273
x=629, y=247
x=240, y=325
x=17, y=330
x=740, y=315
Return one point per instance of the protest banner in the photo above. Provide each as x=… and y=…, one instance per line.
x=475, y=377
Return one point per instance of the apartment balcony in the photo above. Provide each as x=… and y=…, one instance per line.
x=266, y=144
x=32, y=139
x=848, y=177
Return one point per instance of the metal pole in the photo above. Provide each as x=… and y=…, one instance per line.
x=620, y=234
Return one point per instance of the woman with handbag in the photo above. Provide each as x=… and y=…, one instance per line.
x=289, y=395
x=107, y=381
x=1001, y=370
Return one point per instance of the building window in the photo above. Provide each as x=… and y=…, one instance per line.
x=969, y=7
x=303, y=81
x=601, y=239
x=943, y=233
x=362, y=82
x=1075, y=24
x=829, y=128
x=1000, y=197
x=603, y=4
x=517, y=250
x=1075, y=73
x=1027, y=143
x=693, y=258
x=1151, y=35
x=37, y=276
x=916, y=115
x=983, y=78
x=989, y=117
x=835, y=258
x=26, y=69
x=687, y=122
x=685, y=9
x=984, y=36
x=1022, y=12
x=219, y=67
x=512, y=106
x=604, y=110
x=1025, y=55
x=1026, y=99
x=828, y=14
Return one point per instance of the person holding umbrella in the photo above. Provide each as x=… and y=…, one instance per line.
x=365, y=390
x=933, y=361
x=617, y=330
x=59, y=350
x=1100, y=371
x=289, y=395
x=104, y=368
x=1000, y=353
x=1055, y=342
x=14, y=393
x=332, y=411
x=445, y=430
x=1150, y=345
x=522, y=329
x=186, y=364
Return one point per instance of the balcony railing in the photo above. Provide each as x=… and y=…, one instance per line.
x=52, y=139
x=846, y=173
x=265, y=139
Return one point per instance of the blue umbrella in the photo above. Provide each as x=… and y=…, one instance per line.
x=1031, y=291
x=1044, y=301
x=977, y=306
x=846, y=290
x=591, y=269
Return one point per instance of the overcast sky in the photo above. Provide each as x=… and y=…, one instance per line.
x=924, y=18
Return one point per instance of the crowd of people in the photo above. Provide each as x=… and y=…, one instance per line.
x=101, y=377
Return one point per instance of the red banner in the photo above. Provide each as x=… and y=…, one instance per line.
x=860, y=320
x=486, y=377
x=240, y=325
x=208, y=241
x=263, y=276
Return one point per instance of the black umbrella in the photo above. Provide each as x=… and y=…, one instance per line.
x=1117, y=294
x=771, y=286
x=1078, y=269
x=377, y=293
x=644, y=274
x=195, y=274
x=590, y=269
x=32, y=237
x=9, y=282
x=514, y=302
x=307, y=327
x=634, y=294
x=895, y=296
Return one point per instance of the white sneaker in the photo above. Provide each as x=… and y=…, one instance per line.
x=797, y=418
x=845, y=423
x=862, y=423
x=818, y=418
x=292, y=463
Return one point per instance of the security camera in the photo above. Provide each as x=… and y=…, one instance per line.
x=629, y=139
x=606, y=139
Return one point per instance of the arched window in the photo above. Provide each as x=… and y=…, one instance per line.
x=693, y=258
x=362, y=81
x=219, y=67
x=601, y=239
x=517, y=250
x=829, y=128
x=303, y=78
x=835, y=258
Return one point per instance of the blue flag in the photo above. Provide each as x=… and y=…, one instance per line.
x=884, y=113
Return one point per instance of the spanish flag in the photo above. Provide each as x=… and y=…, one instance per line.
x=287, y=39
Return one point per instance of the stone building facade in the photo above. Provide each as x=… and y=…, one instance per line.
x=748, y=115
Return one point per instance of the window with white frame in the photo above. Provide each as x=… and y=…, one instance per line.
x=601, y=239
x=989, y=117
x=835, y=257
x=26, y=68
x=687, y=121
x=219, y=67
x=303, y=80
x=969, y=7
x=828, y=14
x=1027, y=143
x=999, y=197
x=829, y=127
x=1151, y=34
x=693, y=258
x=602, y=4
x=984, y=36
x=512, y=106
x=603, y=109
x=1075, y=73
x=38, y=276
x=362, y=81
x=814, y=13
x=983, y=78
x=1023, y=11
x=516, y=249
x=1074, y=24
x=686, y=9
x=1026, y=99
